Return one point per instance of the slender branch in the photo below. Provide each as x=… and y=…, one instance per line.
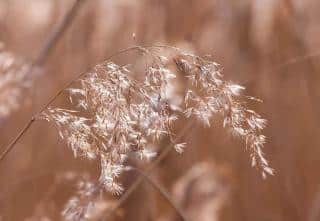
x=163, y=192
x=154, y=164
x=15, y=140
x=49, y=44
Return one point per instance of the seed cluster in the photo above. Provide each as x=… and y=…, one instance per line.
x=118, y=116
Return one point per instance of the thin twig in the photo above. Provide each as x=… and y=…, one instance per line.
x=163, y=192
x=41, y=59
x=154, y=164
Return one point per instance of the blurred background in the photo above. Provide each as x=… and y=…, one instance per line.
x=269, y=46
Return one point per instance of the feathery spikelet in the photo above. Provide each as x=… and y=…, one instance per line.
x=209, y=95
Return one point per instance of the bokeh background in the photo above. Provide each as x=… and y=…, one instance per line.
x=272, y=47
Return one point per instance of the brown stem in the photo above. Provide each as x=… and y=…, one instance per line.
x=154, y=164
x=49, y=44
x=15, y=140
x=163, y=192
